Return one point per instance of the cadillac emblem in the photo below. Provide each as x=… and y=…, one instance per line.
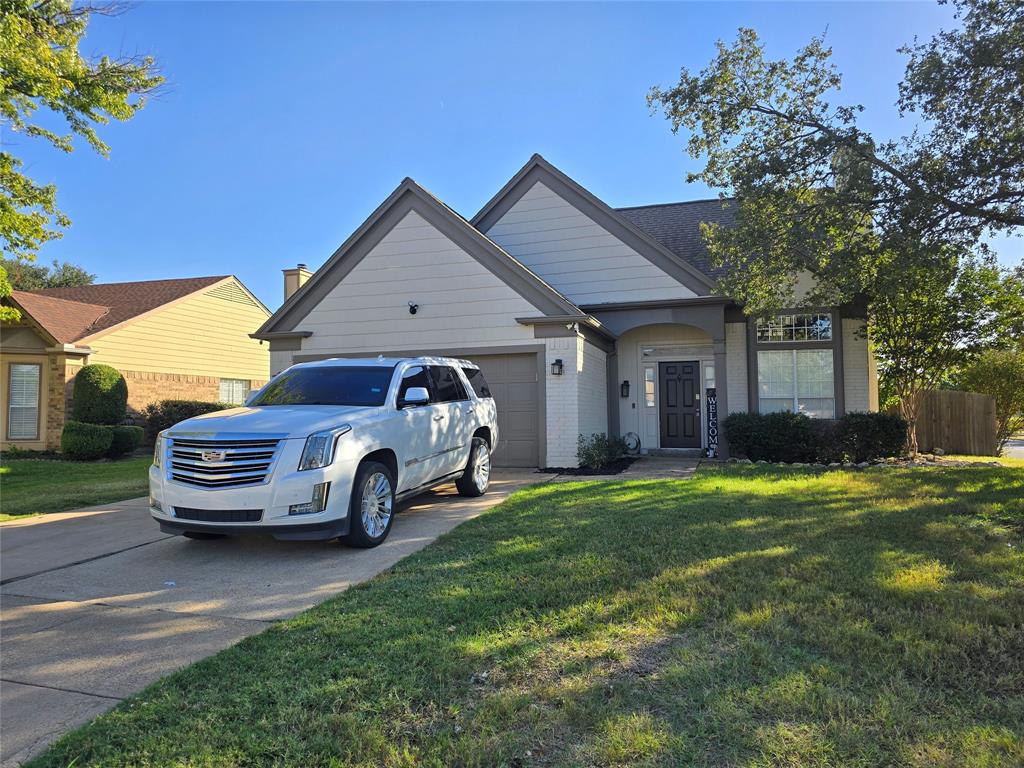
x=213, y=455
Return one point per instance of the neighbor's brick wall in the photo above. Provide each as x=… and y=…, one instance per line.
x=56, y=402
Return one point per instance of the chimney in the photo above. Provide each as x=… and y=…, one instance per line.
x=294, y=279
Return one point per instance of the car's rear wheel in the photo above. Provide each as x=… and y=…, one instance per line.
x=371, y=508
x=203, y=535
x=477, y=476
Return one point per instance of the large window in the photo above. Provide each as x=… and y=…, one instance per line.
x=23, y=401
x=798, y=380
x=234, y=391
x=815, y=326
x=447, y=386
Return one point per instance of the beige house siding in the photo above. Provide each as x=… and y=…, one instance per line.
x=576, y=255
x=860, y=377
x=461, y=304
x=205, y=334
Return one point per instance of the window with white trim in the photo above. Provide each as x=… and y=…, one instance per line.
x=23, y=401
x=797, y=380
x=814, y=326
x=650, y=400
x=234, y=391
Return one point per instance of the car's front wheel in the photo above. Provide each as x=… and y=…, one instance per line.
x=477, y=476
x=371, y=509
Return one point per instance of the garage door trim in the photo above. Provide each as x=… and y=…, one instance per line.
x=466, y=352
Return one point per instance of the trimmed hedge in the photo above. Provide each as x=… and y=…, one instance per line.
x=598, y=450
x=793, y=437
x=166, y=413
x=126, y=438
x=85, y=442
x=100, y=395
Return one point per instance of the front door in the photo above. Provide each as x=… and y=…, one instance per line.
x=680, y=405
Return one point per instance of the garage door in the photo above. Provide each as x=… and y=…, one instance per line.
x=513, y=381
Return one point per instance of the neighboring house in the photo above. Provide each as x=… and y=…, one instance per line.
x=186, y=339
x=585, y=319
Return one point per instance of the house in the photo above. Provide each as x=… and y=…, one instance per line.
x=186, y=339
x=585, y=318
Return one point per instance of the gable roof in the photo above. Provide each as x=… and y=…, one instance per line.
x=539, y=169
x=410, y=196
x=677, y=227
x=74, y=314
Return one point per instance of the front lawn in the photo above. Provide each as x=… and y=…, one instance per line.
x=31, y=486
x=749, y=616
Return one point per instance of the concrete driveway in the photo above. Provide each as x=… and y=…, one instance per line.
x=97, y=604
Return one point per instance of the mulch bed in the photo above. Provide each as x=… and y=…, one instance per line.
x=617, y=466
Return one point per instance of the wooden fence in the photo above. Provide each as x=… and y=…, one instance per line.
x=957, y=422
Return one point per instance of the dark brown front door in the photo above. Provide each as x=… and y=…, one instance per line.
x=680, y=405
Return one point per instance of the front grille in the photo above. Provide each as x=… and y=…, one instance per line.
x=219, y=515
x=245, y=462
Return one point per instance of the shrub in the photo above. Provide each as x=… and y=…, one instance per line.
x=598, y=450
x=774, y=436
x=793, y=437
x=167, y=413
x=866, y=436
x=125, y=440
x=85, y=441
x=100, y=395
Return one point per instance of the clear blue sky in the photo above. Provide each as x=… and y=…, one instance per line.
x=284, y=125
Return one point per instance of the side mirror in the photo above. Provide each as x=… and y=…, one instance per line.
x=415, y=396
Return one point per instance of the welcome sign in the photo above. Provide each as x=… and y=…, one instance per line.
x=712, y=404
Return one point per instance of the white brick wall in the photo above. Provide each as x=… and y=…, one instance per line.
x=736, y=367
x=593, y=389
x=859, y=377
x=563, y=420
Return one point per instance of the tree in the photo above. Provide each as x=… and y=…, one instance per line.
x=29, y=276
x=817, y=195
x=999, y=373
x=41, y=68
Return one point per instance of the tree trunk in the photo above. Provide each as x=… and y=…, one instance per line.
x=908, y=410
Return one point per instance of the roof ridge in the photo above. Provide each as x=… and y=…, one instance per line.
x=42, y=295
x=679, y=202
x=44, y=291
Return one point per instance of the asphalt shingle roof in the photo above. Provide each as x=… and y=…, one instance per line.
x=70, y=314
x=677, y=227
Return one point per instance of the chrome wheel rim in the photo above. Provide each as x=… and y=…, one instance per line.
x=481, y=467
x=376, y=504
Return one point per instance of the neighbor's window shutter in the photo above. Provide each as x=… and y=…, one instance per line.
x=23, y=402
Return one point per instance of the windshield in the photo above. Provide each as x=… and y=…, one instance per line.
x=327, y=385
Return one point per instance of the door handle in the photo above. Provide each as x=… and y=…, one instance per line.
x=438, y=418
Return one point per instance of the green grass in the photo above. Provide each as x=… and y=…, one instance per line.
x=748, y=616
x=34, y=486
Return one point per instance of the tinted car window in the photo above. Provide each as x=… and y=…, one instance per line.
x=414, y=377
x=447, y=387
x=477, y=382
x=327, y=385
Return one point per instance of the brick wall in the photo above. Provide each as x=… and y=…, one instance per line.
x=56, y=404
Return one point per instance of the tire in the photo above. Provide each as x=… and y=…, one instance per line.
x=203, y=535
x=371, y=508
x=477, y=475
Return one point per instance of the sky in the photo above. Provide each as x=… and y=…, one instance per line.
x=283, y=125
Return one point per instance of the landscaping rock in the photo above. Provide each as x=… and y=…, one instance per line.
x=938, y=452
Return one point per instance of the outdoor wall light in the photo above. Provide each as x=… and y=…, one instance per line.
x=557, y=367
x=624, y=389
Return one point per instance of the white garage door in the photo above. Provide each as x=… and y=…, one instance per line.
x=513, y=382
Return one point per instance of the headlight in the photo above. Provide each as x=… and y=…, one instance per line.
x=319, y=449
x=158, y=450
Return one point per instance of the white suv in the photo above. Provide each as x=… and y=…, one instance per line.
x=326, y=449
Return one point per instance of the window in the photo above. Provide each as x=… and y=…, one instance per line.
x=447, y=387
x=709, y=376
x=328, y=385
x=649, y=395
x=797, y=380
x=797, y=327
x=477, y=382
x=414, y=377
x=23, y=401
x=234, y=391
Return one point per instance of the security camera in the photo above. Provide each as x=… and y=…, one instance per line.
x=413, y=307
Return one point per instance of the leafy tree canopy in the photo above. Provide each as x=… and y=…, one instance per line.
x=44, y=75
x=28, y=276
x=817, y=193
